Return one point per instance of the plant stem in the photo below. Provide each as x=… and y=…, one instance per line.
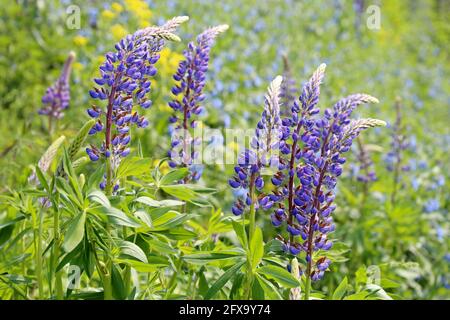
x=252, y=216
x=38, y=255
x=307, y=287
x=251, y=232
x=57, y=239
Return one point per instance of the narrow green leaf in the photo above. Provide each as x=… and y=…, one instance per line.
x=341, y=289
x=211, y=256
x=256, y=248
x=130, y=249
x=174, y=176
x=75, y=232
x=100, y=198
x=133, y=166
x=117, y=283
x=159, y=204
x=224, y=278
x=240, y=233
x=280, y=275
x=176, y=233
x=120, y=218
x=270, y=291
x=42, y=179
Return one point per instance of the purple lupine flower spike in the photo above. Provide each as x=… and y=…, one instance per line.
x=311, y=160
x=262, y=152
x=57, y=96
x=189, y=97
x=125, y=84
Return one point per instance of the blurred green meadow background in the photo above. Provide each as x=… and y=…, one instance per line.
x=404, y=61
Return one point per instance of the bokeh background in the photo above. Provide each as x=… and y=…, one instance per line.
x=405, y=60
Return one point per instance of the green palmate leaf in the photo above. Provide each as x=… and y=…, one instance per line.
x=76, y=144
x=159, y=204
x=129, y=249
x=174, y=176
x=256, y=248
x=75, y=232
x=341, y=289
x=280, y=275
x=120, y=218
x=211, y=256
x=224, y=278
x=133, y=166
x=48, y=156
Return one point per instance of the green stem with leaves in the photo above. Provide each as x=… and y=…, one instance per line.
x=38, y=254
x=251, y=232
x=57, y=243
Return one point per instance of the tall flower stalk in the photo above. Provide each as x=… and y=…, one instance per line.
x=399, y=144
x=262, y=153
x=57, y=96
x=124, y=84
x=189, y=97
x=312, y=147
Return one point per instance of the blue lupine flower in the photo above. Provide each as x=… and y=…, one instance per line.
x=309, y=164
x=262, y=151
x=125, y=84
x=57, y=96
x=191, y=79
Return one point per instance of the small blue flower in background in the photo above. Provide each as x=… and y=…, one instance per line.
x=432, y=205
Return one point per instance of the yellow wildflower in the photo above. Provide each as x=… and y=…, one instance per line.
x=80, y=41
x=118, y=32
x=117, y=7
x=108, y=14
x=140, y=10
x=78, y=66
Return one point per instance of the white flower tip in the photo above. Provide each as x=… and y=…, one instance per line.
x=222, y=27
